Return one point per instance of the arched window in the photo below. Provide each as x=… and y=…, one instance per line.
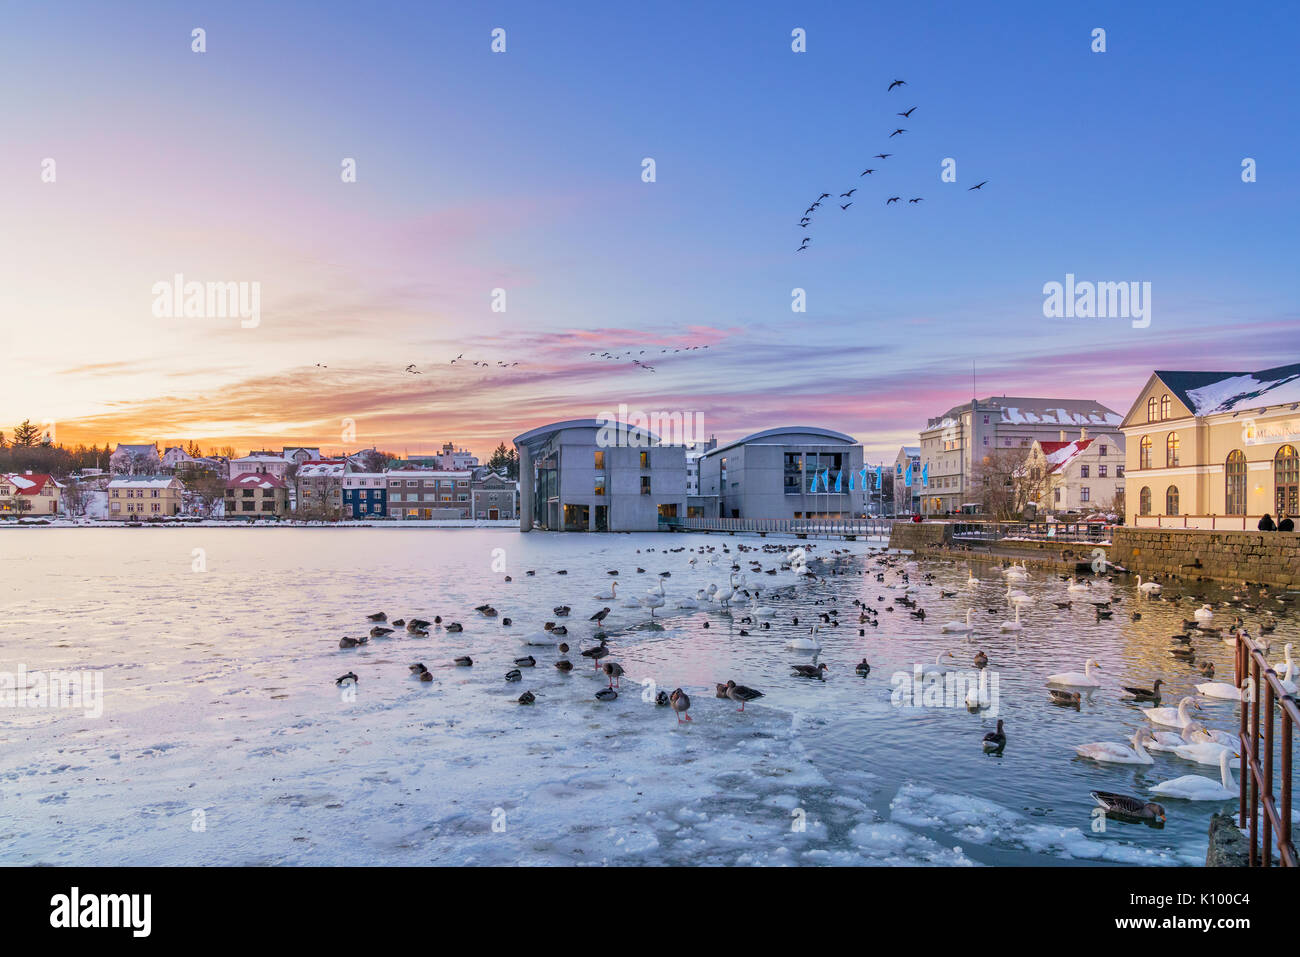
x=1144, y=452
x=1286, y=481
x=1164, y=406
x=1151, y=409
x=1144, y=501
x=1234, y=483
x=1171, y=450
x=1171, y=500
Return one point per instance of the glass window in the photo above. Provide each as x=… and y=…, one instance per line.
x=1152, y=414
x=1101, y=471
x=645, y=485
x=600, y=459
x=1171, y=500
x=1084, y=471
x=1144, y=451
x=1164, y=406
x=1085, y=494
x=1286, y=481
x=645, y=460
x=1234, y=483
x=1144, y=501
x=1171, y=451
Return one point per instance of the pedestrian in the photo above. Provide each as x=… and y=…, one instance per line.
x=1266, y=524
x=1286, y=525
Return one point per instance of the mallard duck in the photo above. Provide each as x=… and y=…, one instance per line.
x=398, y=622
x=1069, y=699
x=514, y=674
x=613, y=671
x=377, y=616
x=564, y=664
x=417, y=668
x=417, y=623
x=352, y=642
x=1146, y=694
x=995, y=740
x=455, y=627
x=379, y=631
x=564, y=648
x=419, y=633
x=348, y=679
x=809, y=671
x=560, y=630
x=527, y=698
x=981, y=659
x=661, y=699
x=464, y=661
x=1206, y=668
x=1184, y=654
x=527, y=661
x=681, y=704
x=1121, y=805
x=862, y=668
x=606, y=694
x=742, y=694
x=561, y=610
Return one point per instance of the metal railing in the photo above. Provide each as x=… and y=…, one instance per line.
x=1239, y=523
x=865, y=527
x=1256, y=784
x=1036, y=531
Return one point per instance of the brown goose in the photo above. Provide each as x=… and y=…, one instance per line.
x=595, y=654
x=681, y=704
x=1121, y=805
x=1069, y=699
x=809, y=671
x=742, y=694
x=614, y=671
x=1146, y=694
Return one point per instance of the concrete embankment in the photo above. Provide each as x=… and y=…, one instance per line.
x=934, y=540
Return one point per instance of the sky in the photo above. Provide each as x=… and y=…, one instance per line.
x=522, y=171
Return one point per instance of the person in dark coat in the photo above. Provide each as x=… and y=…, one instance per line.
x=1286, y=525
x=1266, y=524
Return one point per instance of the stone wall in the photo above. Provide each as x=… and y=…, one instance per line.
x=1272, y=558
x=914, y=536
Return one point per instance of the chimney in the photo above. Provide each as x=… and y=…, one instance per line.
x=1063, y=435
x=1083, y=434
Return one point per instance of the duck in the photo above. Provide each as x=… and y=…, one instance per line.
x=596, y=653
x=416, y=623
x=721, y=689
x=455, y=627
x=561, y=610
x=398, y=622
x=1122, y=805
x=1012, y=625
x=377, y=616
x=346, y=642
x=606, y=694
x=863, y=668
x=1068, y=699
x=1172, y=717
x=742, y=694
x=1148, y=588
x=806, y=644
x=662, y=700
x=527, y=661
x=995, y=741
x=810, y=671
x=348, y=679
x=981, y=660
x=527, y=697
x=613, y=671
x=611, y=595
x=1193, y=787
x=959, y=626
x=1221, y=689
x=1206, y=668
x=1145, y=694
x=564, y=664
x=514, y=674
x=379, y=631
x=1111, y=752
x=1077, y=679
x=681, y=703
x=464, y=661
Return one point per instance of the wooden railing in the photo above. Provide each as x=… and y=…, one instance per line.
x=1256, y=785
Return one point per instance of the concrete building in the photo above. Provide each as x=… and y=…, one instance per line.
x=29, y=493
x=365, y=495
x=428, y=493
x=597, y=475
x=955, y=444
x=318, y=488
x=144, y=497
x=693, y=456
x=1084, y=475
x=253, y=496
x=1214, y=449
x=493, y=496
x=784, y=473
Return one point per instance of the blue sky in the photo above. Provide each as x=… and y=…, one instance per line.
x=522, y=171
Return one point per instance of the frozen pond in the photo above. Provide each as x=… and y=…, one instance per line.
x=224, y=740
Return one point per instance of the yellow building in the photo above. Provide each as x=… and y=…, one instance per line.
x=29, y=494
x=134, y=499
x=1213, y=449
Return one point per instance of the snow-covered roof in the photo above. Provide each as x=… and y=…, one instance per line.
x=1060, y=454
x=149, y=449
x=320, y=469
x=30, y=484
x=1245, y=390
x=1015, y=410
x=255, y=480
x=143, y=483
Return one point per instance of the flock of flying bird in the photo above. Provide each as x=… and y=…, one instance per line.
x=1190, y=740
x=806, y=221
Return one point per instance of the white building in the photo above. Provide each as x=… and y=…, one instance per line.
x=134, y=459
x=1083, y=475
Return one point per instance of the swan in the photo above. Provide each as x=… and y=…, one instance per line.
x=1193, y=787
x=1167, y=741
x=958, y=626
x=1078, y=586
x=1012, y=625
x=806, y=644
x=1204, y=613
x=613, y=593
x=538, y=638
x=1111, y=752
x=653, y=601
x=1215, y=736
x=723, y=595
x=688, y=602
x=1077, y=679
x=1221, y=689
x=936, y=667
x=657, y=590
x=760, y=611
x=1206, y=752
x=1017, y=572
x=971, y=579
x=1148, y=588
x=1288, y=676
x=1172, y=717
x=1018, y=597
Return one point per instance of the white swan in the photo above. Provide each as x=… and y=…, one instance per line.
x=1215, y=736
x=1193, y=787
x=653, y=601
x=1078, y=679
x=1018, y=572
x=613, y=593
x=539, y=638
x=1206, y=752
x=1172, y=717
x=1148, y=588
x=1167, y=741
x=1018, y=597
x=1078, y=586
x=688, y=602
x=657, y=590
x=806, y=644
x=1221, y=689
x=1112, y=752
x=1287, y=678
x=958, y=626
x=724, y=595
x=970, y=578
x=760, y=611
x=1012, y=625
x=1204, y=613
x=936, y=667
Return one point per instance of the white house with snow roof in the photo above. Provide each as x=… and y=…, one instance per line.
x=1214, y=449
x=955, y=444
x=1084, y=475
x=134, y=459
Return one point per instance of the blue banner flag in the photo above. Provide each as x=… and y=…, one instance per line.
x=907, y=476
x=925, y=475
x=838, y=476
x=880, y=480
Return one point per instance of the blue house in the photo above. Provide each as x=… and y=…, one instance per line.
x=365, y=495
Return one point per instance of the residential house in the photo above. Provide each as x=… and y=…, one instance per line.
x=1081, y=475
x=319, y=490
x=365, y=495
x=135, y=459
x=256, y=495
x=144, y=497
x=29, y=493
x=492, y=496
x=429, y=493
